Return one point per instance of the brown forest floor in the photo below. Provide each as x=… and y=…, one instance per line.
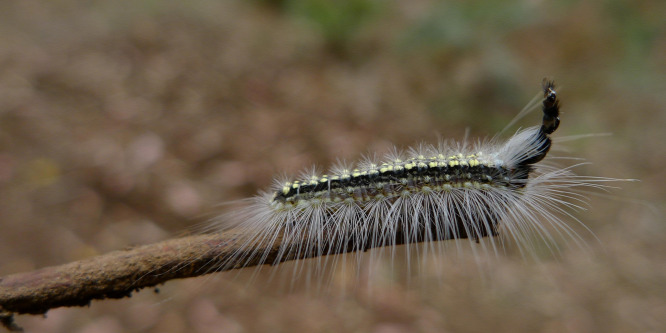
x=125, y=123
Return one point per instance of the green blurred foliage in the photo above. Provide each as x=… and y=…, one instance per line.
x=339, y=22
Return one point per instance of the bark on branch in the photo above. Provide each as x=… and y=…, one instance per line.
x=119, y=273
x=116, y=274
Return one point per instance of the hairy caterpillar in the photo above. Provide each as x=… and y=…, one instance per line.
x=425, y=195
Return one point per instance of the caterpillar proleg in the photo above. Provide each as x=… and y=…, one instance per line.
x=426, y=195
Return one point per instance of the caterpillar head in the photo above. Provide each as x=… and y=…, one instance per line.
x=530, y=146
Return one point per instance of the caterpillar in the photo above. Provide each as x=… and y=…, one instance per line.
x=426, y=195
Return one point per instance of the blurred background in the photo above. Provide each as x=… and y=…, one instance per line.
x=126, y=122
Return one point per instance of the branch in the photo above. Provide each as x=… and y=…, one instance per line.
x=119, y=273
